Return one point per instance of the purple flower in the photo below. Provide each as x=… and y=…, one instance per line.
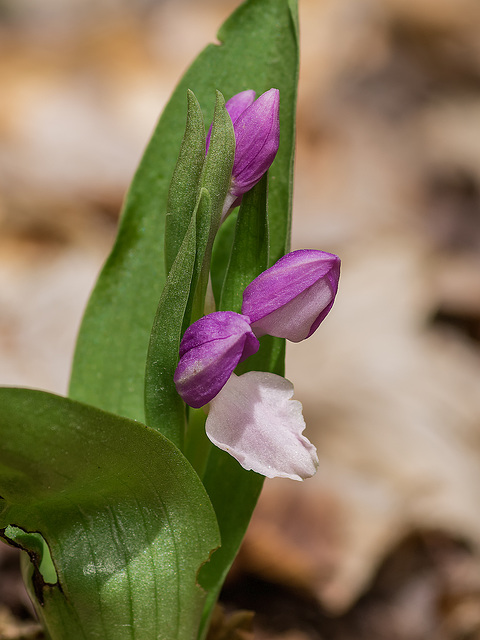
x=257, y=133
x=292, y=298
x=210, y=350
x=256, y=421
x=253, y=416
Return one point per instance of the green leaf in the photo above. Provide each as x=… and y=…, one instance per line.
x=185, y=185
x=112, y=514
x=164, y=409
x=216, y=180
x=258, y=51
x=219, y=163
x=222, y=248
x=184, y=292
x=229, y=484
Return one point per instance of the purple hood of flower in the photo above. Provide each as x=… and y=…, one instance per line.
x=210, y=350
x=256, y=127
x=293, y=297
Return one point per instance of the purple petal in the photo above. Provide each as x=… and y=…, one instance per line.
x=293, y=297
x=254, y=419
x=210, y=350
x=239, y=102
x=257, y=135
x=235, y=107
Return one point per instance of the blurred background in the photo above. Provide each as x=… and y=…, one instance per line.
x=384, y=542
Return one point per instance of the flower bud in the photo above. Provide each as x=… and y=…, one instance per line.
x=210, y=350
x=257, y=134
x=292, y=298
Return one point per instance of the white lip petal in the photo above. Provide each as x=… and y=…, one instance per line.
x=255, y=420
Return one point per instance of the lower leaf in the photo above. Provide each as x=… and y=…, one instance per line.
x=113, y=517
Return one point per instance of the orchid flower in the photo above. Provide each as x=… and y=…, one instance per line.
x=293, y=297
x=253, y=416
x=257, y=133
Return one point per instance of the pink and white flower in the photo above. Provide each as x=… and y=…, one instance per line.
x=253, y=416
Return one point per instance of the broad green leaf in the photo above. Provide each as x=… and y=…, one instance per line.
x=258, y=51
x=119, y=510
x=185, y=185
